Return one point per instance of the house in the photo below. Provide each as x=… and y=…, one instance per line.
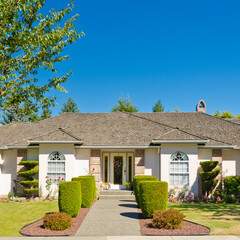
x=116, y=146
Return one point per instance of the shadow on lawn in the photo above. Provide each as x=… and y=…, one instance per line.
x=215, y=209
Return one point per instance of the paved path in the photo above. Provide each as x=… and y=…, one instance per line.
x=127, y=238
x=111, y=217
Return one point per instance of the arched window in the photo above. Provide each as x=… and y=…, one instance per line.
x=56, y=166
x=179, y=169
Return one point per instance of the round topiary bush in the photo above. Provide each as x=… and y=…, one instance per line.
x=153, y=196
x=70, y=198
x=57, y=221
x=168, y=219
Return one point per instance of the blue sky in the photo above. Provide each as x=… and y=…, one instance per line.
x=176, y=51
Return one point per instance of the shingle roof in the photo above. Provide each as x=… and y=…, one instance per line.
x=123, y=129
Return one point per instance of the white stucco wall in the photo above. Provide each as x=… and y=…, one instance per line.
x=9, y=171
x=204, y=155
x=81, y=163
x=192, y=151
x=152, y=162
x=44, y=150
x=231, y=163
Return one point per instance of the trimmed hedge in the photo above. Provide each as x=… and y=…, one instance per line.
x=208, y=166
x=153, y=196
x=70, y=198
x=136, y=183
x=206, y=176
x=232, y=185
x=88, y=189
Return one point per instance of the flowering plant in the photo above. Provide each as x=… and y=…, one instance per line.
x=49, y=183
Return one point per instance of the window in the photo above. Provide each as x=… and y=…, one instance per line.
x=179, y=169
x=130, y=166
x=56, y=166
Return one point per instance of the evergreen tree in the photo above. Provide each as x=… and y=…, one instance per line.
x=158, y=107
x=124, y=105
x=46, y=113
x=13, y=115
x=69, y=106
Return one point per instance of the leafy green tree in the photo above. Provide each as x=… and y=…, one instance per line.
x=30, y=41
x=158, y=107
x=124, y=105
x=176, y=110
x=70, y=106
x=46, y=113
x=225, y=114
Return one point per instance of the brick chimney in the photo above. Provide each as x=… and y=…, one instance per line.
x=201, y=106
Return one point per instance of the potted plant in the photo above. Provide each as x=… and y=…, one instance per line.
x=128, y=185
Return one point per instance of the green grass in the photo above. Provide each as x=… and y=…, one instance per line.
x=222, y=219
x=13, y=216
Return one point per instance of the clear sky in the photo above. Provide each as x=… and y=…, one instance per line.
x=176, y=51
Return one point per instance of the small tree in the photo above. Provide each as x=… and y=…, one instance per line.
x=158, y=107
x=30, y=183
x=208, y=176
x=124, y=105
x=69, y=106
x=224, y=115
x=13, y=115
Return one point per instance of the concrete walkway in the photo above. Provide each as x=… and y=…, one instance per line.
x=111, y=217
x=127, y=238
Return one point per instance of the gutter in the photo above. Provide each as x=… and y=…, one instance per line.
x=118, y=147
x=219, y=147
x=52, y=142
x=155, y=141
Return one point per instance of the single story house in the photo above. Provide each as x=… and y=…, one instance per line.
x=116, y=146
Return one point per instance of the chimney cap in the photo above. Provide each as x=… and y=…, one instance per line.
x=201, y=106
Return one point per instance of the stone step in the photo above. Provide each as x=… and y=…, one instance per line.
x=121, y=197
x=116, y=192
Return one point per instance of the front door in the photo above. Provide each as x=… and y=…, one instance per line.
x=118, y=170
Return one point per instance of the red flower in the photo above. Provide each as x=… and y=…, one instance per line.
x=59, y=177
x=50, y=179
x=62, y=178
x=57, y=184
x=93, y=169
x=55, y=179
x=46, y=176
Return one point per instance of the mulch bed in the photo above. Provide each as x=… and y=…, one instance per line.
x=36, y=228
x=188, y=228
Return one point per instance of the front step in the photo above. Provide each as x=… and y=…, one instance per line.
x=116, y=194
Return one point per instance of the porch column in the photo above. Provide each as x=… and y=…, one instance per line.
x=95, y=162
x=139, y=162
x=21, y=156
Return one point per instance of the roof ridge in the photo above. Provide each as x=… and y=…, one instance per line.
x=199, y=136
x=70, y=134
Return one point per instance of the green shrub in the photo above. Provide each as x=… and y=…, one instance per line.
x=57, y=221
x=88, y=189
x=29, y=164
x=168, y=219
x=30, y=183
x=136, y=183
x=153, y=196
x=70, y=198
x=206, y=176
x=207, y=186
x=229, y=199
x=232, y=185
x=208, y=166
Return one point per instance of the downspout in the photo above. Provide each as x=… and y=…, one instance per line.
x=159, y=161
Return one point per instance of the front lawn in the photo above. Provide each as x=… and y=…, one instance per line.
x=16, y=215
x=222, y=219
